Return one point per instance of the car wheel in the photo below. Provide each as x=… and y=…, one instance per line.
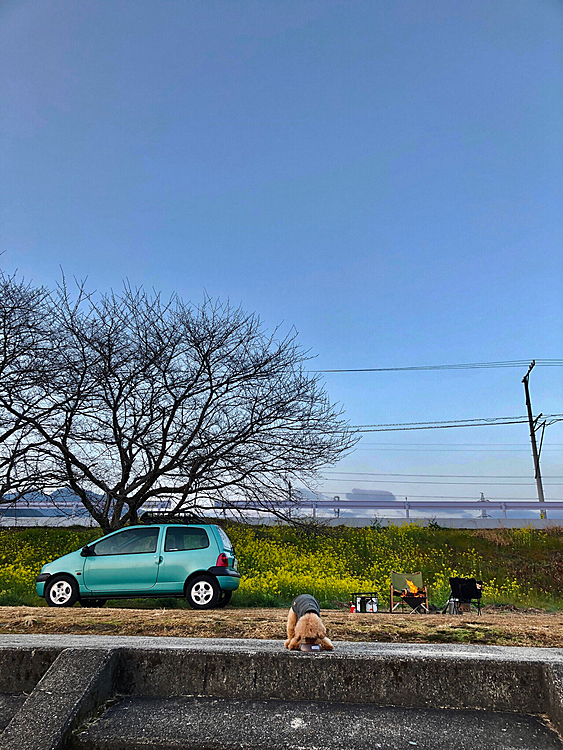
x=61, y=591
x=202, y=592
x=92, y=602
x=224, y=599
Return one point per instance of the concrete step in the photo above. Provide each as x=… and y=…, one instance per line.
x=9, y=705
x=139, y=723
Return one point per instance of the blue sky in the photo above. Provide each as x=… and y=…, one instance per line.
x=386, y=176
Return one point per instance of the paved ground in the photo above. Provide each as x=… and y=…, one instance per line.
x=180, y=723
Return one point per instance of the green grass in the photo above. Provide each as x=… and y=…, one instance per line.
x=522, y=567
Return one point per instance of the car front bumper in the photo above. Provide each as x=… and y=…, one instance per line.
x=40, y=581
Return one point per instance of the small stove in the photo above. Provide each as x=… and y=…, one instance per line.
x=413, y=600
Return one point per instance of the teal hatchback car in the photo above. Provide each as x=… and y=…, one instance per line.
x=155, y=560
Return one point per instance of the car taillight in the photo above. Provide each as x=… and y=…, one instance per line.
x=222, y=561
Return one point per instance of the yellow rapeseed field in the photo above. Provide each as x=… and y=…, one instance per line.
x=283, y=562
x=518, y=566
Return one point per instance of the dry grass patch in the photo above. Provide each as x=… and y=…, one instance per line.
x=507, y=628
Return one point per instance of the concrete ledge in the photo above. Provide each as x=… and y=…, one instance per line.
x=77, y=683
x=9, y=705
x=396, y=679
x=89, y=670
x=446, y=522
x=553, y=676
x=358, y=521
x=21, y=668
x=56, y=643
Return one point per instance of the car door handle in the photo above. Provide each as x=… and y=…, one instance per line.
x=159, y=560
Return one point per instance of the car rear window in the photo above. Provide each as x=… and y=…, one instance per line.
x=224, y=538
x=183, y=539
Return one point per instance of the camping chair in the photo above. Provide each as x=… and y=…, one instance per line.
x=463, y=593
x=402, y=594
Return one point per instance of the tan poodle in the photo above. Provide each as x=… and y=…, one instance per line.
x=304, y=624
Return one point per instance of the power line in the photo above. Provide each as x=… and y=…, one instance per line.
x=491, y=445
x=437, y=476
x=487, y=420
x=448, y=424
x=437, y=426
x=447, y=484
x=457, y=450
x=462, y=366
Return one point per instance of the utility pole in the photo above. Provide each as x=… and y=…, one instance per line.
x=535, y=454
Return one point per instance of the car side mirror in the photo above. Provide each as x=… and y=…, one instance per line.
x=86, y=551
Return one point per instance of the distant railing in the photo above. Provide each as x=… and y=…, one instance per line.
x=64, y=507
x=435, y=507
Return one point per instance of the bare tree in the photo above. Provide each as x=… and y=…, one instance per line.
x=145, y=399
x=24, y=340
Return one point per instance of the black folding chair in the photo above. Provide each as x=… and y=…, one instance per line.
x=463, y=593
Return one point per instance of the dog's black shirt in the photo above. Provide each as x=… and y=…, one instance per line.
x=305, y=603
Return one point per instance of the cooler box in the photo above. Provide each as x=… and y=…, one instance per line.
x=365, y=601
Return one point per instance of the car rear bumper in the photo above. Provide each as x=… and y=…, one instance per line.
x=227, y=578
x=228, y=584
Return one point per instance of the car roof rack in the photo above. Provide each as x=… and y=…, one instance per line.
x=175, y=518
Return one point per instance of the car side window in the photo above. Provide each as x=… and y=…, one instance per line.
x=178, y=539
x=128, y=542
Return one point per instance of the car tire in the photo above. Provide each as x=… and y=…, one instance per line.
x=92, y=602
x=202, y=592
x=224, y=599
x=61, y=591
